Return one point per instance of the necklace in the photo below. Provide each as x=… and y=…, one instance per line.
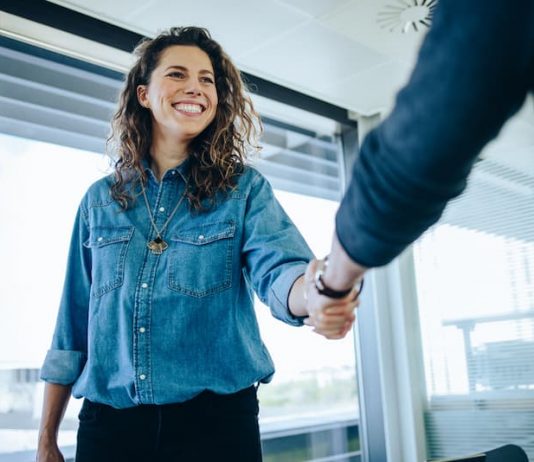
x=158, y=245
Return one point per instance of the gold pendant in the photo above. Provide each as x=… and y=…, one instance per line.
x=157, y=245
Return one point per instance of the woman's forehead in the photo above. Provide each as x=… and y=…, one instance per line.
x=187, y=56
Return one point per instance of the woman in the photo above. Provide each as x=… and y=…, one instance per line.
x=156, y=328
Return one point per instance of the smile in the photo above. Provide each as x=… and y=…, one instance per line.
x=189, y=108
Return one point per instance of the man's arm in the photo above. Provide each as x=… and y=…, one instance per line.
x=473, y=72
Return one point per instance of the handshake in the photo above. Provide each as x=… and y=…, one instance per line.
x=330, y=312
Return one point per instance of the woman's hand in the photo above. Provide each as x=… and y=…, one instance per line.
x=331, y=318
x=49, y=452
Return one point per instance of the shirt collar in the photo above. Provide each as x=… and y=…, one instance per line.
x=182, y=170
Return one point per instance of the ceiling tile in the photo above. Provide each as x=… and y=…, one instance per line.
x=358, y=21
x=237, y=25
x=310, y=58
x=117, y=12
x=371, y=91
x=315, y=8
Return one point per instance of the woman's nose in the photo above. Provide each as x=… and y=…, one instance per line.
x=192, y=87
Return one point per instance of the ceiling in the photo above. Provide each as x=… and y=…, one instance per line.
x=352, y=53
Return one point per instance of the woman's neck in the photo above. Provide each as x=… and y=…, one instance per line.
x=167, y=157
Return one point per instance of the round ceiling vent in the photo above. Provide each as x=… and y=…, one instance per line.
x=406, y=15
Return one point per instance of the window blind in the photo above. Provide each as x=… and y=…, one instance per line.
x=475, y=285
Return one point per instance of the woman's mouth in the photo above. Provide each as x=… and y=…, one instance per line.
x=189, y=108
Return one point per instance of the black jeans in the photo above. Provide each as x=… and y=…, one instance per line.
x=208, y=428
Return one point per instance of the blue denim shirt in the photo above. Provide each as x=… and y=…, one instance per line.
x=139, y=328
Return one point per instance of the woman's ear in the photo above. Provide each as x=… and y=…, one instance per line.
x=142, y=96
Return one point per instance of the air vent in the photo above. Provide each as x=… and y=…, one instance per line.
x=406, y=15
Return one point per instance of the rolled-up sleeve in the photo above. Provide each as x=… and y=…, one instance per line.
x=68, y=353
x=274, y=251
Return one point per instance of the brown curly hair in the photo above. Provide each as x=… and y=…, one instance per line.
x=218, y=153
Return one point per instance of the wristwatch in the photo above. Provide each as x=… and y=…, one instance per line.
x=323, y=289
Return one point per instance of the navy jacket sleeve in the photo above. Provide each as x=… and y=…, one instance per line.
x=473, y=72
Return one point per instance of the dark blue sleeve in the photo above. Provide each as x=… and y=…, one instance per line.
x=473, y=72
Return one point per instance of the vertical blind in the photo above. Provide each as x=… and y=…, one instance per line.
x=475, y=285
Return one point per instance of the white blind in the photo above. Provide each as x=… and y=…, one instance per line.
x=475, y=286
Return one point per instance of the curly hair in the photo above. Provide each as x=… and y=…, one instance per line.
x=218, y=153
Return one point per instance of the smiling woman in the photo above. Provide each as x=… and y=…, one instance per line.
x=157, y=328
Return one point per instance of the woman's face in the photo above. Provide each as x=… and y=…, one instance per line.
x=181, y=94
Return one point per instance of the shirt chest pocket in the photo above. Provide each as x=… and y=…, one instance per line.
x=200, y=260
x=109, y=246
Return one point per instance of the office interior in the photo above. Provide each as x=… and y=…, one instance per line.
x=439, y=363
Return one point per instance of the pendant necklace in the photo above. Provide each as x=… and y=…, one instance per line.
x=158, y=245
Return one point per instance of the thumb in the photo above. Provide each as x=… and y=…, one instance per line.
x=310, y=270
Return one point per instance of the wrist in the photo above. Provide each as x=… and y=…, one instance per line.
x=338, y=280
x=47, y=436
x=342, y=271
x=333, y=287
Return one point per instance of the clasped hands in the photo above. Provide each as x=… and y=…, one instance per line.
x=331, y=318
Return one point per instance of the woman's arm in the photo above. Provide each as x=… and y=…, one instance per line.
x=56, y=399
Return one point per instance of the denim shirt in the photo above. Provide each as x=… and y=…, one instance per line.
x=135, y=327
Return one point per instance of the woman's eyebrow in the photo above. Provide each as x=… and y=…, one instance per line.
x=182, y=68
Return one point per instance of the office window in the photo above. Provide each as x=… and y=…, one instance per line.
x=41, y=185
x=309, y=410
x=475, y=285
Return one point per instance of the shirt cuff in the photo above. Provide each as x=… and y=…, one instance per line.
x=62, y=366
x=280, y=289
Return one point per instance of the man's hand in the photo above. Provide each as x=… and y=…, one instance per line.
x=331, y=318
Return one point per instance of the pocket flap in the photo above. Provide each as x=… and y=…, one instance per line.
x=205, y=233
x=101, y=236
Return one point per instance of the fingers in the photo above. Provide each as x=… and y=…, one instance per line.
x=347, y=307
x=331, y=321
x=332, y=326
x=334, y=334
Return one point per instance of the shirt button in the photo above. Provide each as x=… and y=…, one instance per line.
x=174, y=172
x=142, y=376
x=144, y=285
x=162, y=209
x=201, y=237
x=100, y=239
x=142, y=330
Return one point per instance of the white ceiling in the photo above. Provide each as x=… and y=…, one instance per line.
x=348, y=52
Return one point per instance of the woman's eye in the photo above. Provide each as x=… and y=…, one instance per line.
x=207, y=80
x=176, y=75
